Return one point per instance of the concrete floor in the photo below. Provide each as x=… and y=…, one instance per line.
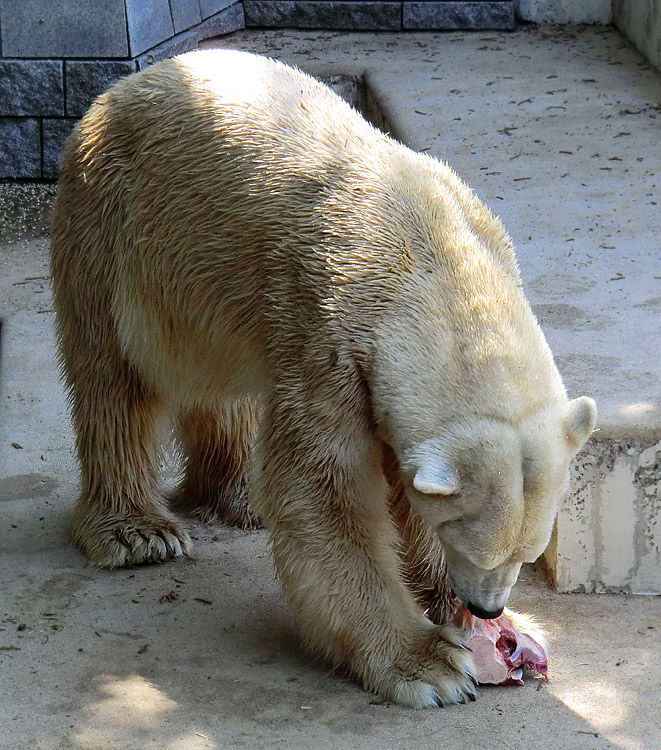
x=559, y=132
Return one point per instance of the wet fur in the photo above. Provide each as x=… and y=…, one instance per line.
x=233, y=244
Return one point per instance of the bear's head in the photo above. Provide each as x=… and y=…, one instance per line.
x=490, y=489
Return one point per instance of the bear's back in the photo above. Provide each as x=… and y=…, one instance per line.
x=203, y=108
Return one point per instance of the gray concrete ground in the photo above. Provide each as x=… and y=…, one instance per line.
x=559, y=132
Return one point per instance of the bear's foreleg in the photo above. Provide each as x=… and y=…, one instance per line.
x=423, y=561
x=217, y=446
x=420, y=550
x=323, y=498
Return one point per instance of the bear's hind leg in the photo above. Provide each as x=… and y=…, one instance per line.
x=217, y=445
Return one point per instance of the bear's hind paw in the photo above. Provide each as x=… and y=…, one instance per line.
x=228, y=507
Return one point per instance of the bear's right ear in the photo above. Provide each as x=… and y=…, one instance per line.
x=436, y=479
x=580, y=420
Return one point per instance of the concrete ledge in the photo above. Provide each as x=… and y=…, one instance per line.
x=607, y=538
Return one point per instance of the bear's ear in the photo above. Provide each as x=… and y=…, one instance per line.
x=436, y=479
x=580, y=420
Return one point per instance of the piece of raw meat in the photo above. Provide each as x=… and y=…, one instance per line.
x=501, y=649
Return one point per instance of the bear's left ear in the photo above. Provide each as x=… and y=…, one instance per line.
x=436, y=479
x=580, y=419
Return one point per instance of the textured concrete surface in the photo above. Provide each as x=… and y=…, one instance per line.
x=63, y=28
x=607, y=537
x=558, y=132
x=565, y=11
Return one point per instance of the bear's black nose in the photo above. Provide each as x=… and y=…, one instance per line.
x=483, y=614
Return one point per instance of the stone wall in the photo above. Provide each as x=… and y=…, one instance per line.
x=607, y=535
x=380, y=15
x=58, y=55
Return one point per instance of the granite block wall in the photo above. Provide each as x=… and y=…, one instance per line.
x=57, y=56
x=185, y=14
x=363, y=15
x=495, y=14
x=380, y=15
x=63, y=28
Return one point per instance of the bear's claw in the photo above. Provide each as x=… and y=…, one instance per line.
x=438, y=673
x=118, y=542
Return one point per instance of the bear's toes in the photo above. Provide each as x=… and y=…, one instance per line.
x=438, y=673
x=118, y=542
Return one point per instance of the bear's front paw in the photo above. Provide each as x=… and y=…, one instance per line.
x=113, y=542
x=437, y=671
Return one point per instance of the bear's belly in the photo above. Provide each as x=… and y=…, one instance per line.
x=193, y=360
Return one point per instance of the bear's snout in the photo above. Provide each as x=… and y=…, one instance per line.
x=483, y=614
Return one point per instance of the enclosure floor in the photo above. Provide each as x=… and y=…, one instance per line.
x=558, y=131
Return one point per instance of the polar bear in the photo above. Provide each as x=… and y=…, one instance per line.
x=337, y=324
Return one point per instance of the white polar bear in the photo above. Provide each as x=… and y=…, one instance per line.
x=233, y=243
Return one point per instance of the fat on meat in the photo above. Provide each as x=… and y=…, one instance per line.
x=501, y=649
